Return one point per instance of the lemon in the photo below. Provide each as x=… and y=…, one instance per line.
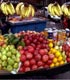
x=54, y=60
x=60, y=58
x=57, y=64
x=50, y=45
x=53, y=50
x=57, y=54
x=52, y=65
x=62, y=62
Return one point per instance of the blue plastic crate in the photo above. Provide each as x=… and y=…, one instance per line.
x=38, y=26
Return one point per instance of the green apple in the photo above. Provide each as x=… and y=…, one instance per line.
x=5, y=68
x=7, y=49
x=16, y=65
x=9, y=54
x=4, y=57
x=13, y=51
x=10, y=61
x=2, y=49
x=12, y=47
x=4, y=63
x=17, y=59
x=4, y=52
x=13, y=57
x=9, y=68
x=18, y=55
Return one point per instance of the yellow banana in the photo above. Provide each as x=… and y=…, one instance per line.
x=22, y=13
x=12, y=8
x=52, y=11
x=49, y=7
x=18, y=8
x=3, y=8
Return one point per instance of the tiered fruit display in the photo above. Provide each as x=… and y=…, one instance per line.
x=9, y=58
x=66, y=49
x=38, y=52
x=25, y=11
x=7, y=8
x=55, y=9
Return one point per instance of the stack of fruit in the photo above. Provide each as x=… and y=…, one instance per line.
x=39, y=52
x=9, y=58
x=7, y=8
x=55, y=9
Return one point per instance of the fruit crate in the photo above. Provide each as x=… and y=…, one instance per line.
x=34, y=24
x=49, y=73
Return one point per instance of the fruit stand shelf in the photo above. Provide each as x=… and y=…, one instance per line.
x=42, y=72
x=34, y=24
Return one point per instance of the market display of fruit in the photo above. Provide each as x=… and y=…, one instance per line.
x=31, y=50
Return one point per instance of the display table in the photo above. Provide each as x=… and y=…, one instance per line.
x=35, y=24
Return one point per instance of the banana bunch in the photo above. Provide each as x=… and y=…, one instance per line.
x=66, y=10
x=7, y=8
x=55, y=9
x=25, y=11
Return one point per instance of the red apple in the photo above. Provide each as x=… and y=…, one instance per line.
x=21, y=69
x=40, y=63
x=27, y=69
x=32, y=62
x=36, y=52
x=49, y=62
x=34, y=67
x=26, y=63
x=29, y=55
x=19, y=48
x=45, y=58
x=42, y=51
x=30, y=49
x=38, y=57
x=68, y=60
x=46, y=66
x=21, y=52
x=51, y=56
x=39, y=46
x=27, y=42
x=41, y=67
x=41, y=39
x=23, y=58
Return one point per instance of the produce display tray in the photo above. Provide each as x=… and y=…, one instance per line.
x=34, y=24
x=42, y=72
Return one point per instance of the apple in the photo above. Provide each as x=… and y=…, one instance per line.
x=21, y=52
x=32, y=62
x=21, y=69
x=27, y=69
x=36, y=52
x=30, y=49
x=4, y=63
x=34, y=67
x=41, y=39
x=4, y=57
x=23, y=58
x=19, y=48
x=9, y=68
x=40, y=63
x=26, y=63
x=10, y=61
x=37, y=57
x=42, y=51
x=9, y=54
x=15, y=65
x=49, y=62
x=45, y=58
x=51, y=56
x=68, y=60
x=29, y=55
x=46, y=66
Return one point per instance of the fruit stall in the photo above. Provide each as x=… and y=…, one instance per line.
x=27, y=46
